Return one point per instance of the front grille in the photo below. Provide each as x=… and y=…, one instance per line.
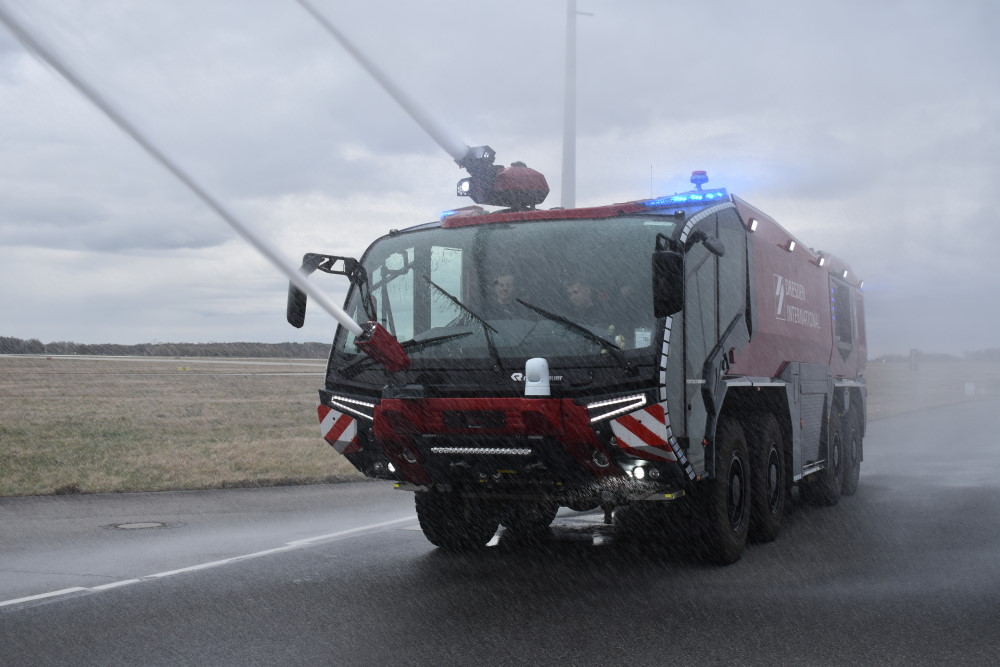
x=474, y=419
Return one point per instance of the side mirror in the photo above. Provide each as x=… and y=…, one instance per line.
x=668, y=282
x=295, y=311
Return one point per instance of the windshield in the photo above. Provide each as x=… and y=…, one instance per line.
x=515, y=291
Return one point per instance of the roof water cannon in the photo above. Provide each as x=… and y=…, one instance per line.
x=517, y=186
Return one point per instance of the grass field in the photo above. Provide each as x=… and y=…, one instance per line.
x=90, y=425
x=87, y=425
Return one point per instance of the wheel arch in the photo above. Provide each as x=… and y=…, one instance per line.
x=746, y=402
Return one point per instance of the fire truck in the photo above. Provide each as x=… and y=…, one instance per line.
x=684, y=349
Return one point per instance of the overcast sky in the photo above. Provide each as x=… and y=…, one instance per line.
x=868, y=129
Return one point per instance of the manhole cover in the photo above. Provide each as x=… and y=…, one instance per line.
x=143, y=525
x=139, y=525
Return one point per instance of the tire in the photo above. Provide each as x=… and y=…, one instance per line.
x=854, y=453
x=454, y=523
x=528, y=518
x=768, y=480
x=823, y=487
x=725, y=516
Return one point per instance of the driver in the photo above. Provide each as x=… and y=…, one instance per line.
x=504, y=306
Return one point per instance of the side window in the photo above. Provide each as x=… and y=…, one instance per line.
x=392, y=287
x=446, y=273
x=699, y=301
x=859, y=315
x=732, y=269
x=843, y=319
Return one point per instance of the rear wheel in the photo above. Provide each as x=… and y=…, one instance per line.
x=454, y=523
x=768, y=476
x=726, y=501
x=823, y=487
x=853, y=454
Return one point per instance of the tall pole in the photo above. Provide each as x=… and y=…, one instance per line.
x=569, y=111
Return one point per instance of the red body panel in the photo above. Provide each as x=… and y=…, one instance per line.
x=792, y=320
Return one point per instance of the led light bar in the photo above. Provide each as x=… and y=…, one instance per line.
x=485, y=451
x=693, y=198
x=339, y=401
x=632, y=403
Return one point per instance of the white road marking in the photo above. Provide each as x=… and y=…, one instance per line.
x=289, y=546
x=349, y=531
x=41, y=596
x=116, y=584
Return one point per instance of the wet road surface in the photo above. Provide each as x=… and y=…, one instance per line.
x=905, y=572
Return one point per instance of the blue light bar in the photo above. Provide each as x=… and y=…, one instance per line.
x=447, y=214
x=692, y=198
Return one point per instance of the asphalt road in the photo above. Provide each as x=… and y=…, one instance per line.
x=905, y=572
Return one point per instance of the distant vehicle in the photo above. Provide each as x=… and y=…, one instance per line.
x=716, y=361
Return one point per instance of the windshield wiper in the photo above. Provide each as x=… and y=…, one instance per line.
x=359, y=364
x=612, y=349
x=494, y=353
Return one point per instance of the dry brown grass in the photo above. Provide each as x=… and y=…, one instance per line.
x=87, y=425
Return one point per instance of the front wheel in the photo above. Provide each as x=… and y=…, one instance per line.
x=726, y=501
x=528, y=518
x=454, y=523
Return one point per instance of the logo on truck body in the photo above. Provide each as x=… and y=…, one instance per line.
x=787, y=290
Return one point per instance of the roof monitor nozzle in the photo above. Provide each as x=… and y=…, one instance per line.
x=699, y=178
x=517, y=186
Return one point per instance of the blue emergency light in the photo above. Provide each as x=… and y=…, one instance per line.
x=693, y=198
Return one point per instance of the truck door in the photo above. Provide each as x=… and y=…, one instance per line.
x=700, y=327
x=715, y=309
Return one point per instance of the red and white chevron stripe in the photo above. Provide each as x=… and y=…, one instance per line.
x=643, y=433
x=338, y=429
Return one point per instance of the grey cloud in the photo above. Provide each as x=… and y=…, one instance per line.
x=856, y=124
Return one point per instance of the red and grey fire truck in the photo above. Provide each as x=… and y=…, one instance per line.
x=684, y=348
